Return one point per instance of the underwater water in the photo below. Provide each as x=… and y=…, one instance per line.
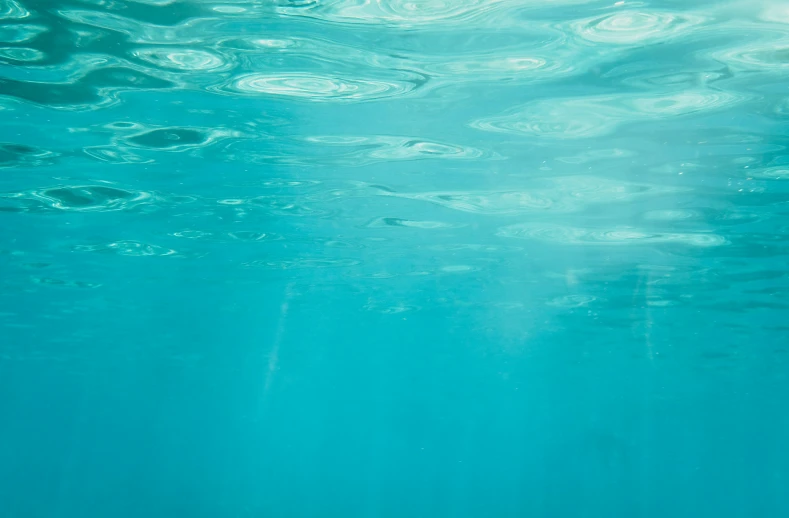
x=394, y=258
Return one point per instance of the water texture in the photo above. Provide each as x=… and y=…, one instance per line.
x=394, y=258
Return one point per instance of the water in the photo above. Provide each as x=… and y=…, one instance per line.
x=389, y=258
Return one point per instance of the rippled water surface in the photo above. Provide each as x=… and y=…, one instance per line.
x=394, y=258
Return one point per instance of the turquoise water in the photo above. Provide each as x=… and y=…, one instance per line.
x=394, y=258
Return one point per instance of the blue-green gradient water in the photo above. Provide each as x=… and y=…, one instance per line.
x=394, y=258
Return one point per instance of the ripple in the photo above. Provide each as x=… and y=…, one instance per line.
x=63, y=283
x=192, y=30
x=632, y=27
x=397, y=222
x=21, y=54
x=286, y=183
x=491, y=64
x=229, y=9
x=503, y=202
x=572, y=301
x=168, y=138
x=649, y=75
x=373, y=275
x=737, y=217
x=597, y=154
x=128, y=248
x=517, y=61
x=416, y=148
x=389, y=309
x=284, y=207
x=276, y=205
x=193, y=234
x=476, y=248
x=11, y=10
x=671, y=215
x=178, y=138
x=776, y=12
x=88, y=83
x=180, y=59
x=499, y=66
x=772, y=173
x=124, y=126
x=19, y=33
x=304, y=263
x=393, y=12
x=569, y=119
x=593, y=116
x=558, y=194
x=764, y=55
x=16, y=155
x=115, y=155
x=248, y=236
x=318, y=88
x=257, y=44
x=681, y=103
x=457, y=268
x=366, y=150
x=77, y=198
x=620, y=236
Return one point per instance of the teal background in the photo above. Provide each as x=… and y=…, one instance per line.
x=381, y=258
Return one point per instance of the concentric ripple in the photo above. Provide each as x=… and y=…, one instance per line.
x=631, y=27
x=765, y=55
x=562, y=122
x=620, y=236
x=317, y=88
x=181, y=59
x=78, y=198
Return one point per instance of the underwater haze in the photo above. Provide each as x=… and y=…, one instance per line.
x=394, y=258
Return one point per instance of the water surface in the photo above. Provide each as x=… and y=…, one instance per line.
x=388, y=258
